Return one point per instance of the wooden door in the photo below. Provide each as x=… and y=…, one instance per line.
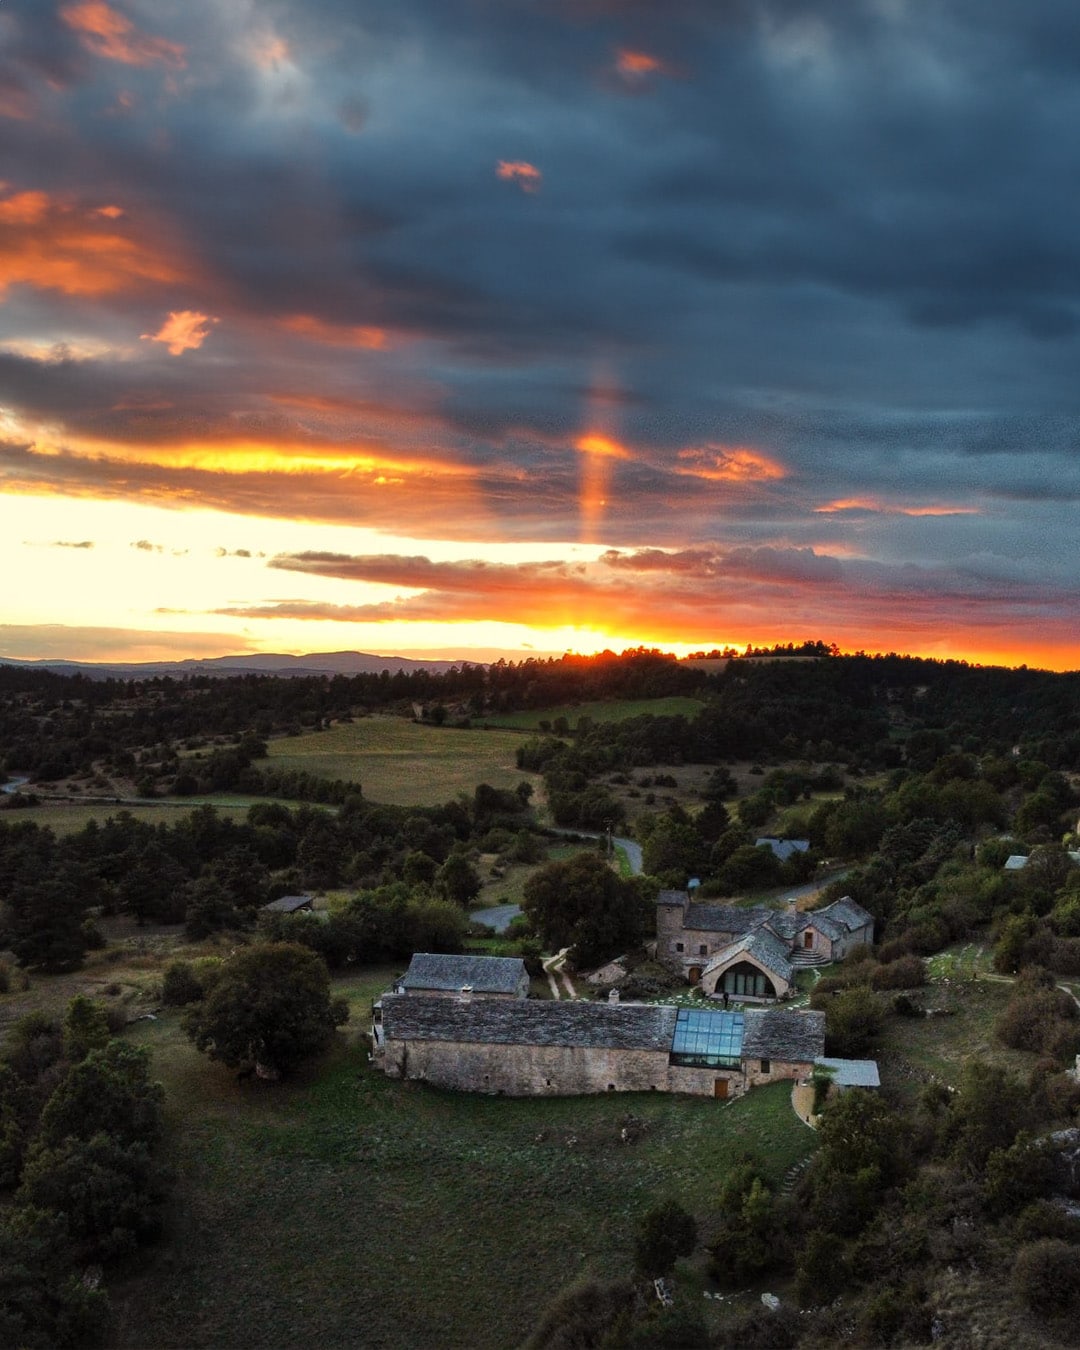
x=695, y=974
x=720, y=1087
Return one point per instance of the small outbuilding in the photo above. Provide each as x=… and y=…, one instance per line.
x=289, y=904
x=434, y=973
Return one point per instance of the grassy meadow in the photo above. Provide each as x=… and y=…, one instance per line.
x=343, y=1209
x=69, y=817
x=404, y=763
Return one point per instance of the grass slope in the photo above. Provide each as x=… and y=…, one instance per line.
x=403, y=762
x=350, y=1210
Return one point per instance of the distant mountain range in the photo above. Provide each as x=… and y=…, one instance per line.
x=311, y=663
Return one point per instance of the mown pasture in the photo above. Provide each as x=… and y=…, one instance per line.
x=404, y=763
x=343, y=1209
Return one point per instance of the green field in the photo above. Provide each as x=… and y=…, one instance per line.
x=349, y=1210
x=617, y=710
x=70, y=817
x=403, y=762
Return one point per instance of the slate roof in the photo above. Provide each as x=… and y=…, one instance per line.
x=847, y=912
x=620, y=1026
x=783, y=848
x=769, y=951
x=823, y=921
x=484, y=974
x=288, y=904
x=672, y=898
x=724, y=919
x=773, y=1033
x=851, y=1072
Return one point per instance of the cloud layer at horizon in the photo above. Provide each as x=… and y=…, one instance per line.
x=773, y=312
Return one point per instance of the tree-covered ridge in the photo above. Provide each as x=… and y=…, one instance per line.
x=854, y=707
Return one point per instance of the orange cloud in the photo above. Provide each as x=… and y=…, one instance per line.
x=602, y=445
x=269, y=51
x=527, y=176
x=729, y=464
x=335, y=334
x=185, y=330
x=107, y=33
x=636, y=65
x=16, y=104
x=877, y=507
x=54, y=245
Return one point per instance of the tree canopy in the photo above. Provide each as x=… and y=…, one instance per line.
x=583, y=905
x=270, y=1009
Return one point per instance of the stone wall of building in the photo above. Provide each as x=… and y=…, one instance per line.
x=669, y=932
x=568, y=1071
x=527, y=1070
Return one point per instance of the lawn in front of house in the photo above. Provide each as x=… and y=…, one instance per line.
x=346, y=1209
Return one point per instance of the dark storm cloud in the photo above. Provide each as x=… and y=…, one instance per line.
x=842, y=240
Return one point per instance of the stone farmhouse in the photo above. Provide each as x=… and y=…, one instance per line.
x=431, y=973
x=531, y=1047
x=752, y=954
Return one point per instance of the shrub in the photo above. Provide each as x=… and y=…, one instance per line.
x=907, y=972
x=1046, y=1276
x=180, y=985
x=86, y=1028
x=853, y=1021
x=1040, y=1019
x=1044, y=1219
x=666, y=1233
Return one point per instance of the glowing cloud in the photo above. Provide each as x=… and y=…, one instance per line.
x=335, y=334
x=53, y=244
x=184, y=330
x=107, y=33
x=729, y=464
x=527, y=176
x=872, y=506
x=602, y=445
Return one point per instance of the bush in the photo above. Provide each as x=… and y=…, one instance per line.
x=853, y=1021
x=666, y=1233
x=907, y=972
x=180, y=985
x=1046, y=1276
x=1044, y=1219
x=86, y=1028
x=1040, y=1019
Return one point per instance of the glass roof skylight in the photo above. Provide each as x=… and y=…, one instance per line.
x=706, y=1038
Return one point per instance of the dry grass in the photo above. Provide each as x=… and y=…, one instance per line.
x=404, y=763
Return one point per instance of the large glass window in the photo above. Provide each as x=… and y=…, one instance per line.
x=707, y=1039
x=746, y=981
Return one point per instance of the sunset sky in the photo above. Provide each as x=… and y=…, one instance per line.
x=463, y=326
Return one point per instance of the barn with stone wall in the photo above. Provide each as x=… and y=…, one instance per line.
x=539, y=1048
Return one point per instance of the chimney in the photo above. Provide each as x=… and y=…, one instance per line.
x=613, y=996
x=466, y=994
